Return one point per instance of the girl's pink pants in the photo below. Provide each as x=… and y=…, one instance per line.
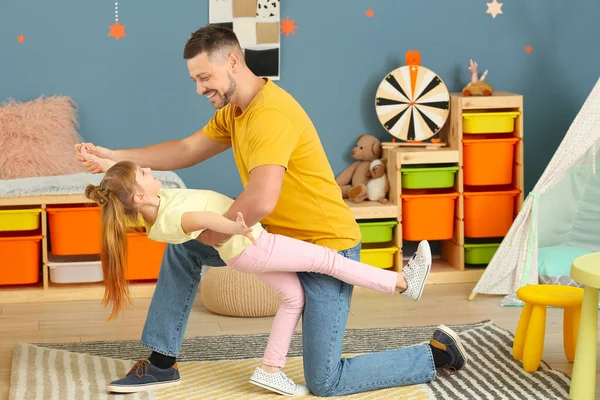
x=275, y=259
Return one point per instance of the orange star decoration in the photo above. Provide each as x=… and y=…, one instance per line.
x=21, y=38
x=369, y=13
x=288, y=26
x=117, y=31
x=528, y=49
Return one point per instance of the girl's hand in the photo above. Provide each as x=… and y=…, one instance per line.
x=87, y=153
x=244, y=230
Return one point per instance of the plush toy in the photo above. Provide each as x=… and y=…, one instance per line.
x=378, y=186
x=477, y=85
x=354, y=178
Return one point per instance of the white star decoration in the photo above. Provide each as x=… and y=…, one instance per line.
x=494, y=8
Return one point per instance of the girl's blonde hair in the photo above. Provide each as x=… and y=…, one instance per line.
x=119, y=213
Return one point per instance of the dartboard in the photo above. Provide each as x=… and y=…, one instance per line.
x=412, y=103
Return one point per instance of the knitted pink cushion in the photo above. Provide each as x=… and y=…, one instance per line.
x=38, y=137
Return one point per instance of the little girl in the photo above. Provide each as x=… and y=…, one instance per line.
x=179, y=215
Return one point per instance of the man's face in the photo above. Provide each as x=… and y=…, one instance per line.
x=213, y=78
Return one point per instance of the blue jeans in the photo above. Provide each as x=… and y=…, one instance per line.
x=323, y=326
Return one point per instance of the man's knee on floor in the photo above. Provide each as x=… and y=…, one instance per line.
x=319, y=385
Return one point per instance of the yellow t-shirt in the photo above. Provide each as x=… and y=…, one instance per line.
x=175, y=202
x=274, y=129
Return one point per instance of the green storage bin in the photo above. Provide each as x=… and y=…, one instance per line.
x=376, y=232
x=480, y=253
x=428, y=177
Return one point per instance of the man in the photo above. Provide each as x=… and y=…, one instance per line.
x=289, y=187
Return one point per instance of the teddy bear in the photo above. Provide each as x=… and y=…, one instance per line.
x=354, y=178
x=379, y=185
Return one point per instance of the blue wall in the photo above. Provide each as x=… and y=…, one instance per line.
x=136, y=91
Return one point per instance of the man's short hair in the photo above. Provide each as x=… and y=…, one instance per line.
x=211, y=39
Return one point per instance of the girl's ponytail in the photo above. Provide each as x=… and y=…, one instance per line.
x=114, y=248
x=115, y=196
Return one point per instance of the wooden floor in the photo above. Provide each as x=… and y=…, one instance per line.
x=85, y=320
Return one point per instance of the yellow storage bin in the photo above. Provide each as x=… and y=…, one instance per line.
x=380, y=255
x=23, y=219
x=489, y=122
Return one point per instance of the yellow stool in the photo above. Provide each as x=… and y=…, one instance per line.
x=529, y=338
x=586, y=270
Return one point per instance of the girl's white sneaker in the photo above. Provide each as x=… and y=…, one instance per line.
x=416, y=271
x=278, y=383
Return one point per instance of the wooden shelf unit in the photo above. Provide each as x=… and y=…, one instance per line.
x=45, y=291
x=499, y=101
x=449, y=268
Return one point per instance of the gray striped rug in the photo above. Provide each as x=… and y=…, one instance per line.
x=218, y=367
x=40, y=373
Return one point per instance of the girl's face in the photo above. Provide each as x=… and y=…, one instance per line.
x=147, y=181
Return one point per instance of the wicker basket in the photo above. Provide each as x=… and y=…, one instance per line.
x=226, y=291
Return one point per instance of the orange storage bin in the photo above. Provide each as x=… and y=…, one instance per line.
x=20, y=259
x=144, y=257
x=488, y=161
x=428, y=215
x=489, y=212
x=74, y=230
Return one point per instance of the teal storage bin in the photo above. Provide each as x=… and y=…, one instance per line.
x=377, y=232
x=480, y=253
x=425, y=177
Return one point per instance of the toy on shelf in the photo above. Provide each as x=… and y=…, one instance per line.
x=477, y=86
x=412, y=103
x=379, y=185
x=353, y=180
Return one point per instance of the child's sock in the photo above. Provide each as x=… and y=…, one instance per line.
x=440, y=357
x=270, y=369
x=162, y=361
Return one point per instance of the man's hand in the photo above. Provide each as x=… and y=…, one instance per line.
x=101, y=152
x=93, y=163
x=96, y=159
x=256, y=202
x=213, y=238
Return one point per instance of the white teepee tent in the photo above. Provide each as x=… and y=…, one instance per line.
x=562, y=209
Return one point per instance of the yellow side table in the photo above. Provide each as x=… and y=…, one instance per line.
x=586, y=270
x=528, y=344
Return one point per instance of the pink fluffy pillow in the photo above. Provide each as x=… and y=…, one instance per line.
x=38, y=137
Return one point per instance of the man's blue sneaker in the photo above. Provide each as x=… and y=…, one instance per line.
x=447, y=340
x=145, y=376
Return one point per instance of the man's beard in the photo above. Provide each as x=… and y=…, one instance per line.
x=226, y=98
